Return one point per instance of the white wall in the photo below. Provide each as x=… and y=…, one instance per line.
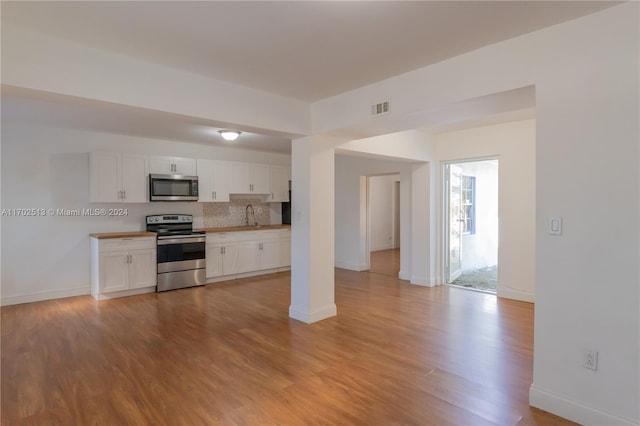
x=514, y=145
x=49, y=168
x=587, y=171
x=409, y=145
x=381, y=211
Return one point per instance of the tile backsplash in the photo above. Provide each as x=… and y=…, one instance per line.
x=218, y=215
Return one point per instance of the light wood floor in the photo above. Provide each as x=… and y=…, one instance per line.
x=385, y=262
x=228, y=354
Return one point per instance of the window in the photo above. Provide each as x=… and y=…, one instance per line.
x=468, y=216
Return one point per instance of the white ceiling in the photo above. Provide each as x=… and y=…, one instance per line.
x=302, y=50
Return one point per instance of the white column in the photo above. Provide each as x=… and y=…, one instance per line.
x=312, y=230
x=421, y=226
x=364, y=260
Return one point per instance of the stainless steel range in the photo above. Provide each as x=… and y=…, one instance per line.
x=181, y=251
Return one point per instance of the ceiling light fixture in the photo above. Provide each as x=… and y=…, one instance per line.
x=229, y=135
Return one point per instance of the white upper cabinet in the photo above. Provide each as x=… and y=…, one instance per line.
x=249, y=178
x=261, y=178
x=279, y=184
x=118, y=177
x=213, y=181
x=135, y=180
x=220, y=180
x=172, y=166
x=240, y=178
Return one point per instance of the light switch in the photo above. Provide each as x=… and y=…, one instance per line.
x=555, y=226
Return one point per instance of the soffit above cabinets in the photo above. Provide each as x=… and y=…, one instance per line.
x=31, y=107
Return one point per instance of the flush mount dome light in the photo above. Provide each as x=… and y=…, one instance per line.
x=229, y=135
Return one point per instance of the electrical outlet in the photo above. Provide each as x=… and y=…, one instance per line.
x=590, y=360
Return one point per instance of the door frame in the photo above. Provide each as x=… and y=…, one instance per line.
x=365, y=198
x=444, y=210
x=448, y=273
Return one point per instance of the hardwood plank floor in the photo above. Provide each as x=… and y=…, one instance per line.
x=228, y=354
x=385, y=262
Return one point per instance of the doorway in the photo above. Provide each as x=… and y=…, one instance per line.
x=471, y=223
x=383, y=206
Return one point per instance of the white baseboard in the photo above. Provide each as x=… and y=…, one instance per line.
x=573, y=410
x=352, y=266
x=125, y=293
x=45, y=295
x=232, y=277
x=404, y=275
x=423, y=281
x=315, y=315
x=516, y=294
x=383, y=247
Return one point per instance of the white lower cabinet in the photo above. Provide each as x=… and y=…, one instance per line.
x=143, y=269
x=122, y=265
x=285, y=248
x=248, y=256
x=270, y=253
x=258, y=250
x=222, y=254
x=247, y=253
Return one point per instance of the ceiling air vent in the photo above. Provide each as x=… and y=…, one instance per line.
x=380, y=108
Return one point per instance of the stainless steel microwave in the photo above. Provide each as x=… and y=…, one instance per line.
x=173, y=188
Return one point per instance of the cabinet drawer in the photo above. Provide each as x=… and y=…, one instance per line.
x=222, y=237
x=258, y=235
x=270, y=235
x=249, y=235
x=285, y=234
x=120, y=244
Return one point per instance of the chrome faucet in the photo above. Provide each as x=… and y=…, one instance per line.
x=249, y=211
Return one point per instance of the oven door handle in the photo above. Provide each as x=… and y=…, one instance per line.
x=181, y=240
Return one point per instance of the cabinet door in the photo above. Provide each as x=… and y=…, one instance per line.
x=214, y=258
x=184, y=166
x=248, y=256
x=143, y=270
x=285, y=252
x=279, y=184
x=135, y=171
x=104, y=169
x=114, y=271
x=239, y=178
x=260, y=178
x=205, y=191
x=220, y=181
x=270, y=254
x=230, y=259
x=161, y=165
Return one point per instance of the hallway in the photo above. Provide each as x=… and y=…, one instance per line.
x=385, y=262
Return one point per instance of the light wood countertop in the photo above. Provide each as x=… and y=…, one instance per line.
x=135, y=234
x=244, y=228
